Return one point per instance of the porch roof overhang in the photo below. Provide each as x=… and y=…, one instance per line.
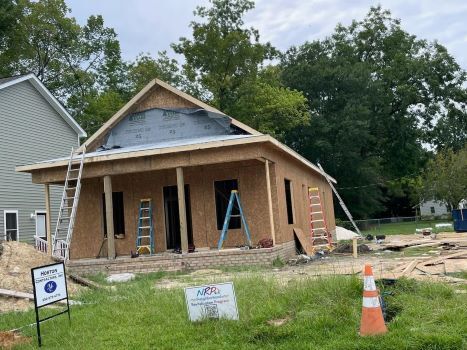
x=165, y=156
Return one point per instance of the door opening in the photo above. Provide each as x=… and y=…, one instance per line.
x=41, y=226
x=172, y=221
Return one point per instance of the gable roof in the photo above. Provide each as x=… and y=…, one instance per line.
x=56, y=105
x=145, y=92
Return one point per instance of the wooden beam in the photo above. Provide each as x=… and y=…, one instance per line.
x=109, y=217
x=182, y=210
x=271, y=213
x=48, y=219
x=354, y=248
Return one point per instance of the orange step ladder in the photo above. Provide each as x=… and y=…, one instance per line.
x=320, y=235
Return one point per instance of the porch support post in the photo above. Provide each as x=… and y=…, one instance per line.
x=109, y=217
x=271, y=214
x=48, y=219
x=182, y=210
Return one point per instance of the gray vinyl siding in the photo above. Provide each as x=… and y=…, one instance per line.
x=30, y=131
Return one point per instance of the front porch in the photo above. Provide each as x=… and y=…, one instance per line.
x=184, y=262
x=188, y=206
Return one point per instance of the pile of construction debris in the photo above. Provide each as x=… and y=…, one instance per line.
x=451, y=251
x=16, y=262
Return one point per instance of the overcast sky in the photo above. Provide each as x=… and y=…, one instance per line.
x=151, y=25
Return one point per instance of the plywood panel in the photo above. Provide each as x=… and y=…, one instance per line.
x=162, y=98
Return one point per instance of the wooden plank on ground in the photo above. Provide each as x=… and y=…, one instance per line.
x=431, y=270
x=22, y=295
x=410, y=267
x=304, y=241
x=442, y=258
x=84, y=281
x=16, y=294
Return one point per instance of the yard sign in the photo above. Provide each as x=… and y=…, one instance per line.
x=211, y=301
x=49, y=284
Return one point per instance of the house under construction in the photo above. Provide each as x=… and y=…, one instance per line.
x=167, y=163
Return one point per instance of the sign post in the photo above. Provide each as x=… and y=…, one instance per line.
x=49, y=285
x=211, y=301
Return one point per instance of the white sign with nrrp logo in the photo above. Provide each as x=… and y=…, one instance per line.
x=211, y=301
x=49, y=284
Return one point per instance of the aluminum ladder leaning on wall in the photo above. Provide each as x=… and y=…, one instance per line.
x=145, y=234
x=341, y=202
x=234, y=196
x=68, y=206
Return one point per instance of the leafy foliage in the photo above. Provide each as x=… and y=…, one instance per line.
x=374, y=92
x=445, y=177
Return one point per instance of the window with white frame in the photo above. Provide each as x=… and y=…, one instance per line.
x=10, y=220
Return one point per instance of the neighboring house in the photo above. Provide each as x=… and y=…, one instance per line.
x=179, y=152
x=432, y=208
x=33, y=125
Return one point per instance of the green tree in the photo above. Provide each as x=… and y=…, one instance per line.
x=73, y=61
x=375, y=93
x=270, y=108
x=445, y=177
x=99, y=108
x=224, y=65
x=9, y=14
x=223, y=54
x=145, y=68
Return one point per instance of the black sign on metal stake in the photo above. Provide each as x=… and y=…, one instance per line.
x=50, y=286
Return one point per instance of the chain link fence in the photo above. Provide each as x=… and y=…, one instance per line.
x=395, y=225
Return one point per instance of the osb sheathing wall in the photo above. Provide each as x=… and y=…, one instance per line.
x=88, y=232
x=301, y=178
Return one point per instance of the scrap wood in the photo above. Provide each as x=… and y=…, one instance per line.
x=401, y=267
x=84, y=281
x=29, y=296
x=304, y=241
x=431, y=270
x=16, y=294
x=409, y=267
x=444, y=257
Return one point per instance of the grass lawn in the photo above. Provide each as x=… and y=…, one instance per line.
x=405, y=228
x=322, y=313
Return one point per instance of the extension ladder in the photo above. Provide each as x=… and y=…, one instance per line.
x=234, y=196
x=66, y=216
x=320, y=235
x=341, y=202
x=145, y=235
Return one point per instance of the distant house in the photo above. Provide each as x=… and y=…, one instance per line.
x=34, y=125
x=432, y=208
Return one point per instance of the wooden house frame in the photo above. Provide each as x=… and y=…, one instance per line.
x=258, y=163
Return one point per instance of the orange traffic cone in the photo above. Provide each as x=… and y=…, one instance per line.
x=372, y=316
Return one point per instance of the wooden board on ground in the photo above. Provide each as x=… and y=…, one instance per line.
x=304, y=241
x=444, y=257
x=410, y=267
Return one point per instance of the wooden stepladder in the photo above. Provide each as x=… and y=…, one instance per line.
x=66, y=216
x=234, y=197
x=320, y=235
x=145, y=235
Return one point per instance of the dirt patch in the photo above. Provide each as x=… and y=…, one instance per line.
x=278, y=322
x=15, y=273
x=8, y=340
